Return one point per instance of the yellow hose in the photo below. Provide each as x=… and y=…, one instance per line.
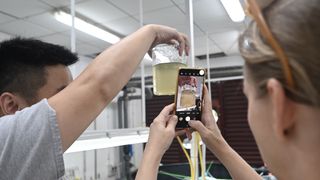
x=200, y=155
x=188, y=157
x=198, y=138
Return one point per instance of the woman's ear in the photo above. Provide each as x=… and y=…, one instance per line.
x=10, y=103
x=282, y=109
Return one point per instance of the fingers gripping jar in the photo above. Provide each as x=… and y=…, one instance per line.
x=166, y=63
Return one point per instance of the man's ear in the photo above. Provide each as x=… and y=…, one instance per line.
x=282, y=108
x=10, y=103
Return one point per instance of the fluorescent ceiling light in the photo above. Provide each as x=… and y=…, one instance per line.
x=85, y=27
x=234, y=10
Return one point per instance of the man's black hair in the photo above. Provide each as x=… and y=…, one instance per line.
x=23, y=62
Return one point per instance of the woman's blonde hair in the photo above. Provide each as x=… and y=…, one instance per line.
x=296, y=26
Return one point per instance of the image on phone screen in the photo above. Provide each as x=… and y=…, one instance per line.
x=189, y=95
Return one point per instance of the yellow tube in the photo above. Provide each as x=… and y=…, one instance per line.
x=200, y=156
x=188, y=157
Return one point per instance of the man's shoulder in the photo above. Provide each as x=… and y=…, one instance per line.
x=36, y=110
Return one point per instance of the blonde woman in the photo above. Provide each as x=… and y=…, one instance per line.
x=281, y=49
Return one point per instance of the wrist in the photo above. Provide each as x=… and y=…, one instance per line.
x=218, y=145
x=223, y=150
x=151, y=159
x=153, y=154
x=151, y=28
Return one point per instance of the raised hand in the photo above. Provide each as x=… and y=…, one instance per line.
x=168, y=35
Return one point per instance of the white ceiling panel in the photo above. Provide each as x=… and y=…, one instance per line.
x=184, y=28
x=226, y=40
x=209, y=10
x=132, y=6
x=123, y=26
x=219, y=26
x=99, y=11
x=200, y=44
x=24, y=28
x=59, y=38
x=60, y=3
x=168, y=16
x=225, y=37
x=64, y=40
x=182, y=2
x=86, y=49
x=4, y=18
x=85, y=38
x=234, y=49
x=48, y=21
x=211, y=16
x=202, y=50
x=4, y=36
x=19, y=8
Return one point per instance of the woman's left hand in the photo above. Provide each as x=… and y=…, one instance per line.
x=162, y=131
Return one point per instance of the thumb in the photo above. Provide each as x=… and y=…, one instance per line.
x=197, y=125
x=172, y=122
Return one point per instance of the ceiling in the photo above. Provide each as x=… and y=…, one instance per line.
x=34, y=18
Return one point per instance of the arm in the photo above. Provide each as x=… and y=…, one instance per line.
x=236, y=165
x=210, y=133
x=162, y=132
x=79, y=103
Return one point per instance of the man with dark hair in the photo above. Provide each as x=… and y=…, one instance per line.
x=42, y=116
x=28, y=68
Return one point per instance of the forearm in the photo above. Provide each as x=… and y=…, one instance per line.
x=237, y=167
x=149, y=166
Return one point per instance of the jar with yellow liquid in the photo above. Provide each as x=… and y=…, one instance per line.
x=166, y=63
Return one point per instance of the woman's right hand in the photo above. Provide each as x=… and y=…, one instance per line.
x=211, y=136
x=208, y=128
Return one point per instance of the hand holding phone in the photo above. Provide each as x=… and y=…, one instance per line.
x=208, y=128
x=189, y=94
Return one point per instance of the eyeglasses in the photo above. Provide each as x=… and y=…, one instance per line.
x=254, y=11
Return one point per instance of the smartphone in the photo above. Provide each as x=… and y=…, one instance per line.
x=189, y=95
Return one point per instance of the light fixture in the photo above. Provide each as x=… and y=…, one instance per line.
x=107, y=139
x=85, y=27
x=234, y=10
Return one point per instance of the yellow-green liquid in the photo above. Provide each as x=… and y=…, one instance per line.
x=165, y=77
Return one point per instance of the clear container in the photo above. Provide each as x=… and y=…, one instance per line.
x=166, y=63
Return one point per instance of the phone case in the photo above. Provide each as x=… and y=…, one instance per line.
x=193, y=115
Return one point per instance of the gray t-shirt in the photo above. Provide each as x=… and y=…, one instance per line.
x=30, y=144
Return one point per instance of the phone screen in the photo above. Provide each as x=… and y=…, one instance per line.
x=189, y=96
